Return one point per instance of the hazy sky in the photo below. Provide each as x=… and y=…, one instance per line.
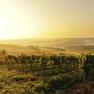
x=46, y=18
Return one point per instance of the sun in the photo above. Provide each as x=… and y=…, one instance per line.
x=17, y=30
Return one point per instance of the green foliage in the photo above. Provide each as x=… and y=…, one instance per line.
x=43, y=74
x=65, y=81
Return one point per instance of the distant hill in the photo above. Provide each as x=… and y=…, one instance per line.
x=81, y=48
x=51, y=42
x=29, y=50
x=39, y=46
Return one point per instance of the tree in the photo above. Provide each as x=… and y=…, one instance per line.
x=3, y=54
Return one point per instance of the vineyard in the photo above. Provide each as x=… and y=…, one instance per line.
x=45, y=74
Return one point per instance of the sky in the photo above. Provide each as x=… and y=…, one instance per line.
x=46, y=18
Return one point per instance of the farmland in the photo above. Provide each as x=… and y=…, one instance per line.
x=35, y=69
x=42, y=74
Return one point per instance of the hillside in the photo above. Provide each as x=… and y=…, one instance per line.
x=39, y=46
x=17, y=50
x=59, y=43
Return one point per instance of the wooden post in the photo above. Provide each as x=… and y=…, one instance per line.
x=84, y=75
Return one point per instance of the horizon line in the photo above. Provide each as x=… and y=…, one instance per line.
x=47, y=38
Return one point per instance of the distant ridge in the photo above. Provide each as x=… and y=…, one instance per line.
x=35, y=46
x=50, y=42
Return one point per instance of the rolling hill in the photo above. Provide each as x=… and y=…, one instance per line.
x=39, y=46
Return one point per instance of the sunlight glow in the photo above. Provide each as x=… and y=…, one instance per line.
x=46, y=19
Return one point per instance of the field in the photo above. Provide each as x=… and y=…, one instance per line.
x=35, y=69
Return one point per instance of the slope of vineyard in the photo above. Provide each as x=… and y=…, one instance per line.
x=52, y=68
x=45, y=74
